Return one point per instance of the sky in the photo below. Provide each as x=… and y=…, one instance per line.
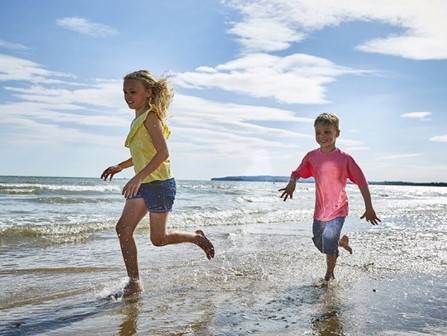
x=249, y=79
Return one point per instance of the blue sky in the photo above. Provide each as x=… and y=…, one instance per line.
x=249, y=78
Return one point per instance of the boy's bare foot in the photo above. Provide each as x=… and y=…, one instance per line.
x=205, y=244
x=344, y=242
x=329, y=277
x=133, y=287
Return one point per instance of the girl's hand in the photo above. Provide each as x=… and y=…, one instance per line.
x=370, y=216
x=110, y=172
x=288, y=190
x=131, y=188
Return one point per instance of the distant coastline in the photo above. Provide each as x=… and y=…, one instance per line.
x=270, y=178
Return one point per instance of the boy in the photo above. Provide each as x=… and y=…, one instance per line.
x=330, y=168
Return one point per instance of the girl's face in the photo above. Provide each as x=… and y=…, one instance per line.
x=326, y=135
x=136, y=94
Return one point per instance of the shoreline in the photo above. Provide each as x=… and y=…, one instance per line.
x=268, y=178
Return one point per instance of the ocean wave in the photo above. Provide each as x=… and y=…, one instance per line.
x=52, y=233
x=38, y=189
x=81, y=230
x=70, y=200
x=238, y=217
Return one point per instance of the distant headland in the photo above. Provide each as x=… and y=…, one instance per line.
x=270, y=178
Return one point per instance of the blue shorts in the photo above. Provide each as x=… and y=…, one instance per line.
x=158, y=196
x=327, y=235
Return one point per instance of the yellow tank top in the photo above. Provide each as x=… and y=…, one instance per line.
x=142, y=149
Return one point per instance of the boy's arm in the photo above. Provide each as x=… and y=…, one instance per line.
x=356, y=175
x=289, y=189
x=369, y=214
x=303, y=170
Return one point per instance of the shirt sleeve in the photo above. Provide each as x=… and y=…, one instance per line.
x=304, y=170
x=355, y=173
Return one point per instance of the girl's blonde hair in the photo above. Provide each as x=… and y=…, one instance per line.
x=162, y=92
x=327, y=119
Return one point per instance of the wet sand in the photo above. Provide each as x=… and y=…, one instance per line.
x=262, y=282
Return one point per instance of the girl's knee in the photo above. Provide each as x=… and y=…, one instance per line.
x=158, y=240
x=122, y=230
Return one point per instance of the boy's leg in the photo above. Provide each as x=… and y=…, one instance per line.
x=344, y=242
x=330, y=237
x=317, y=230
x=331, y=261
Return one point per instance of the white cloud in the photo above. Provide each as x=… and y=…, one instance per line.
x=269, y=25
x=84, y=26
x=357, y=148
x=71, y=114
x=101, y=94
x=265, y=34
x=32, y=131
x=416, y=115
x=19, y=69
x=298, y=78
x=351, y=143
x=439, y=138
x=226, y=128
x=399, y=156
x=12, y=45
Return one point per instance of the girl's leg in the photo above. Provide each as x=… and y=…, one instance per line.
x=134, y=210
x=160, y=236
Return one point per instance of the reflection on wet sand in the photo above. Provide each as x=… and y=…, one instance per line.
x=130, y=311
x=134, y=307
x=328, y=321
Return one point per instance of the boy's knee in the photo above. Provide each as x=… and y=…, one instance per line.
x=330, y=242
x=330, y=236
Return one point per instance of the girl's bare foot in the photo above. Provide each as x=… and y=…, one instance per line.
x=205, y=244
x=344, y=242
x=133, y=287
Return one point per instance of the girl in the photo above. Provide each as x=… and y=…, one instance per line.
x=152, y=188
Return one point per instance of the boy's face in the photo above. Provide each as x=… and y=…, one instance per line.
x=326, y=135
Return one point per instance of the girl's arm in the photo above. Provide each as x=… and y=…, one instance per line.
x=109, y=172
x=125, y=164
x=155, y=130
x=370, y=214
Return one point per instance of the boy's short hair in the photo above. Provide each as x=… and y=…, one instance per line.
x=327, y=119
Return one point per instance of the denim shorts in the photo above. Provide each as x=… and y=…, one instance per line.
x=327, y=235
x=158, y=196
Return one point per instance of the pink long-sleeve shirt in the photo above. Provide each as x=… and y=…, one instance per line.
x=330, y=171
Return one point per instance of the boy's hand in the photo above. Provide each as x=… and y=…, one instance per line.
x=370, y=216
x=288, y=190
